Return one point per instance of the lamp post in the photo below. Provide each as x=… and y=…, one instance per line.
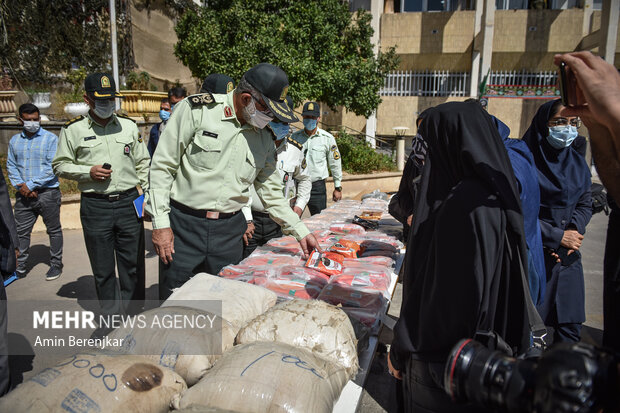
x=400, y=146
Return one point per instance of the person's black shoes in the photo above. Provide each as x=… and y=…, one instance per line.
x=53, y=273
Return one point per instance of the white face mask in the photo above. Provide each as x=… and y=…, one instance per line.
x=31, y=126
x=254, y=117
x=104, y=108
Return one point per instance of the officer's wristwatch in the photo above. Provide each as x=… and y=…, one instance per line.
x=249, y=221
x=338, y=188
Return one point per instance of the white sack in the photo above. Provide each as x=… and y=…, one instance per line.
x=96, y=383
x=241, y=302
x=189, y=352
x=311, y=324
x=268, y=377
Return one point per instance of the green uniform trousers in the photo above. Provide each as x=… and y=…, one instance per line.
x=265, y=229
x=200, y=245
x=113, y=232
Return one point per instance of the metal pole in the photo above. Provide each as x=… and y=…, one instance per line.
x=113, y=42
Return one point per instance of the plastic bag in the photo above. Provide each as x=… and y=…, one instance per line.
x=387, y=262
x=244, y=273
x=326, y=262
x=372, y=302
x=321, y=328
x=268, y=377
x=346, y=248
x=264, y=258
x=285, y=245
x=363, y=282
x=190, y=352
x=97, y=382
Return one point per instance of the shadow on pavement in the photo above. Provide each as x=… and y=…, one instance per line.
x=38, y=254
x=82, y=289
x=592, y=335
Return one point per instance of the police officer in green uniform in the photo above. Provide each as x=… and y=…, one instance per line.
x=321, y=151
x=105, y=154
x=212, y=150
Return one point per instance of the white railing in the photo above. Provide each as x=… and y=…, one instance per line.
x=523, y=78
x=427, y=83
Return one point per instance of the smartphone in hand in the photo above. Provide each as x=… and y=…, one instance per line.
x=106, y=166
x=568, y=86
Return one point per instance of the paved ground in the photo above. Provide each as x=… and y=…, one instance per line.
x=76, y=284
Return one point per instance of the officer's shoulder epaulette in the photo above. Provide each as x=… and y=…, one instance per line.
x=72, y=121
x=119, y=115
x=295, y=143
x=297, y=139
x=201, y=99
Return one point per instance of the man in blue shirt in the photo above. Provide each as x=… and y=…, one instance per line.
x=29, y=166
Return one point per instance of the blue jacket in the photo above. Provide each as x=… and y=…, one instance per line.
x=153, y=138
x=565, y=203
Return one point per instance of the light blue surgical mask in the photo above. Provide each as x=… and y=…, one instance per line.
x=280, y=130
x=310, y=124
x=164, y=115
x=561, y=137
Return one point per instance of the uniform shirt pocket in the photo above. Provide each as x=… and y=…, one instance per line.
x=87, y=150
x=248, y=169
x=204, y=151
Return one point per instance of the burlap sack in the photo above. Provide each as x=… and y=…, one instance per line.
x=311, y=324
x=97, y=383
x=189, y=352
x=241, y=302
x=268, y=377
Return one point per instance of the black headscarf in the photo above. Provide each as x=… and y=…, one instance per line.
x=562, y=173
x=463, y=274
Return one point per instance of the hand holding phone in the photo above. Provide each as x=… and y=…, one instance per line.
x=106, y=166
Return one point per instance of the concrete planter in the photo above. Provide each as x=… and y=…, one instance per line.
x=76, y=109
x=140, y=102
x=7, y=103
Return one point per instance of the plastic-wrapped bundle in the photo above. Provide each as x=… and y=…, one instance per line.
x=286, y=245
x=190, y=352
x=241, y=302
x=387, y=262
x=268, y=377
x=371, y=302
x=294, y=282
x=264, y=258
x=346, y=228
x=326, y=262
x=97, y=382
x=244, y=272
x=346, y=248
x=363, y=282
x=321, y=328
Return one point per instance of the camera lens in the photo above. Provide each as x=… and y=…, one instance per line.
x=487, y=378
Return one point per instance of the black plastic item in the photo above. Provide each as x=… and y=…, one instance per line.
x=365, y=223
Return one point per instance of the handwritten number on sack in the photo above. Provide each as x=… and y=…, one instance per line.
x=301, y=364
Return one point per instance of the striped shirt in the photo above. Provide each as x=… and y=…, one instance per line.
x=30, y=160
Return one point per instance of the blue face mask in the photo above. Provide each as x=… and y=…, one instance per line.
x=172, y=105
x=310, y=124
x=164, y=115
x=561, y=137
x=279, y=129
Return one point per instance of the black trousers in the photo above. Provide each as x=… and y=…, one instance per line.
x=265, y=229
x=611, y=283
x=27, y=210
x=318, y=197
x=200, y=245
x=113, y=232
x=4, y=343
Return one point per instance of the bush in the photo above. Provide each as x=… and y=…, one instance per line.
x=358, y=157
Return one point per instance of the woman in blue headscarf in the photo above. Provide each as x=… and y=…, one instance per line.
x=527, y=182
x=565, y=210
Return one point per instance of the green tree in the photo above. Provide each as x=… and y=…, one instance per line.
x=45, y=39
x=324, y=49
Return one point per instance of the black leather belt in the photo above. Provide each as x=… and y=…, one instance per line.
x=111, y=197
x=260, y=214
x=202, y=213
